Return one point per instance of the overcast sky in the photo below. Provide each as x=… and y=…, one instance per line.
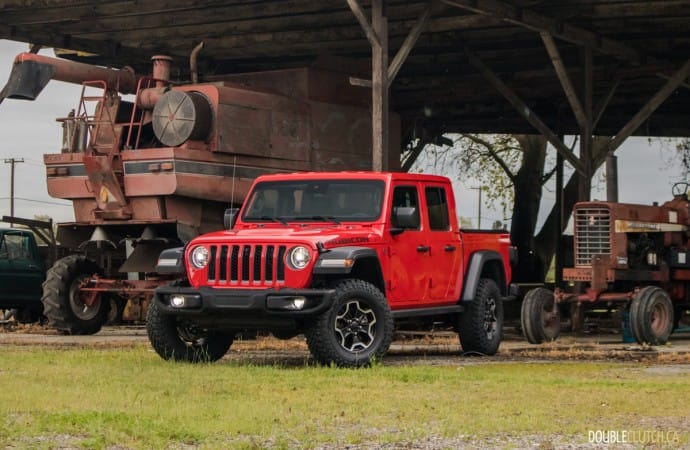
x=28, y=130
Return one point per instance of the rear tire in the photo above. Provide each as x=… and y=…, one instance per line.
x=540, y=317
x=64, y=305
x=180, y=340
x=651, y=316
x=356, y=330
x=481, y=324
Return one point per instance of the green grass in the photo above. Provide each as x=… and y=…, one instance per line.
x=130, y=398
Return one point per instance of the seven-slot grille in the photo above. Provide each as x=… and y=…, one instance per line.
x=592, y=234
x=247, y=264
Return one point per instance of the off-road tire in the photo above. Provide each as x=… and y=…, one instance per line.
x=651, y=316
x=538, y=319
x=60, y=298
x=356, y=330
x=480, y=326
x=179, y=340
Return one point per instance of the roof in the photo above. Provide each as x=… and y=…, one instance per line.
x=636, y=47
x=353, y=175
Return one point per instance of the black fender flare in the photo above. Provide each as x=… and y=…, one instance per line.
x=171, y=261
x=474, y=271
x=341, y=260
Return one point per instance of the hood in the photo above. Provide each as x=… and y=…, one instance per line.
x=330, y=235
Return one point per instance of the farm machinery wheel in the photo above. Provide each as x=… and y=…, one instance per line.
x=651, y=316
x=357, y=328
x=181, y=340
x=68, y=309
x=540, y=317
x=480, y=326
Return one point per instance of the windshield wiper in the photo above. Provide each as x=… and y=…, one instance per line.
x=321, y=218
x=274, y=219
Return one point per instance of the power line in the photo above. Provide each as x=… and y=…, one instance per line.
x=37, y=201
x=12, y=162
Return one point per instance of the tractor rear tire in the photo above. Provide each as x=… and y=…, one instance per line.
x=64, y=305
x=480, y=326
x=180, y=340
x=651, y=316
x=540, y=317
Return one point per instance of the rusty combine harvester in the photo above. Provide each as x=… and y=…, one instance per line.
x=153, y=170
x=634, y=258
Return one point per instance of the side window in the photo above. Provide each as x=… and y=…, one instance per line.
x=4, y=253
x=406, y=200
x=437, y=208
x=15, y=246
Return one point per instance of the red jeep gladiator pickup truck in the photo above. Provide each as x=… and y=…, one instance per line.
x=341, y=257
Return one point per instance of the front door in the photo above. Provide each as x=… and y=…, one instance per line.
x=20, y=272
x=409, y=255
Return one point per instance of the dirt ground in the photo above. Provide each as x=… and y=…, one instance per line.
x=440, y=348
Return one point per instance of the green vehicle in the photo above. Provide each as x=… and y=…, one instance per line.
x=22, y=270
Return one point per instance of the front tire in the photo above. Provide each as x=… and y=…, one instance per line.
x=481, y=324
x=540, y=317
x=180, y=340
x=68, y=309
x=356, y=330
x=651, y=316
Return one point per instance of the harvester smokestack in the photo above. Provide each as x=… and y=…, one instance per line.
x=32, y=72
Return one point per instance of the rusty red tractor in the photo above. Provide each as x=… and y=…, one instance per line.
x=631, y=258
x=155, y=169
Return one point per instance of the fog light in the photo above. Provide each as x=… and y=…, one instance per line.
x=177, y=301
x=298, y=302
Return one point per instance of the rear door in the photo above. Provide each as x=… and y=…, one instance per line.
x=444, y=246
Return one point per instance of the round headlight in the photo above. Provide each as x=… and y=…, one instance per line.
x=199, y=257
x=299, y=257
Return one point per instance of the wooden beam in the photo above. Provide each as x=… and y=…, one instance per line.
x=524, y=110
x=541, y=23
x=643, y=114
x=413, y=154
x=409, y=42
x=603, y=103
x=363, y=22
x=564, y=78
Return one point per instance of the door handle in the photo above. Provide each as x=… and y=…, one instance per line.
x=449, y=248
x=423, y=248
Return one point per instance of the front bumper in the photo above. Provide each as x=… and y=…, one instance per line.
x=243, y=303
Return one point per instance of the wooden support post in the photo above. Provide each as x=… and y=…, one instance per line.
x=586, y=130
x=379, y=86
x=611, y=178
x=382, y=75
x=561, y=216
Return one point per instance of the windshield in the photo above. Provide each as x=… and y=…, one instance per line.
x=317, y=200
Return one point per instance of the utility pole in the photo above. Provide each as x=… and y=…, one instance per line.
x=12, y=162
x=479, y=207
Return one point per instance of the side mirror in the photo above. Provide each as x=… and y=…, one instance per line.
x=230, y=217
x=404, y=217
